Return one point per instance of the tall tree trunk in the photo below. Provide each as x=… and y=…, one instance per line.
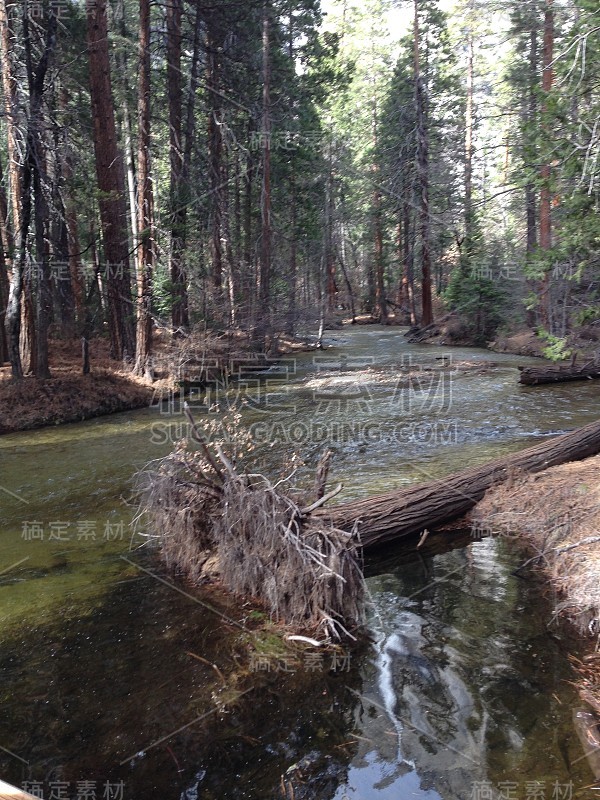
x=179, y=310
x=545, y=173
x=111, y=184
x=530, y=113
x=402, y=294
x=330, y=265
x=423, y=173
x=468, y=242
x=36, y=78
x=265, y=253
x=145, y=202
x=215, y=160
x=293, y=279
x=6, y=248
x=6, y=235
x=60, y=176
x=249, y=245
x=381, y=309
x=70, y=220
x=409, y=260
x=16, y=174
x=180, y=313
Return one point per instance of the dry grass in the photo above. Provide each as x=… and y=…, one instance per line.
x=266, y=546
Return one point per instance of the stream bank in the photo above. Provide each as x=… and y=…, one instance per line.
x=556, y=515
x=69, y=396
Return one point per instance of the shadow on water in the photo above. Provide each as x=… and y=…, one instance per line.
x=115, y=696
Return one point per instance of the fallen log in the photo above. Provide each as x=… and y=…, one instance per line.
x=535, y=376
x=406, y=512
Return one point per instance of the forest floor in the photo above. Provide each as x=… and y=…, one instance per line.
x=70, y=396
x=556, y=513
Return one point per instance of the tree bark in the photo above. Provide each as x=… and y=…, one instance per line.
x=265, y=251
x=36, y=162
x=16, y=173
x=111, y=184
x=466, y=262
x=3, y=305
x=406, y=512
x=145, y=204
x=535, y=376
x=5, y=253
x=215, y=159
x=545, y=173
x=423, y=173
x=179, y=311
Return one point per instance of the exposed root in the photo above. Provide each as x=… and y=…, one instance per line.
x=267, y=546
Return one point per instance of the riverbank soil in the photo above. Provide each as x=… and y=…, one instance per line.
x=70, y=396
x=557, y=513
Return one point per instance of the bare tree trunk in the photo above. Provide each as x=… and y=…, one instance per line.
x=381, y=309
x=342, y=255
x=409, y=261
x=545, y=173
x=293, y=279
x=6, y=236
x=180, y=312
x=179, y=316
x=468, y=242
x=145, y=202
x=265, y=259
x=249, y=266
x=423, y=172
x=16, y=174
x=111, y=183
x=6, y=248
x=70, y=218
x=36, y=164
x=402, y=294
x=330, y=267
x=215, y=160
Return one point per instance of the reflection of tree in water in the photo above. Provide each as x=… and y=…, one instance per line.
x=461, y=688
x=439, y=727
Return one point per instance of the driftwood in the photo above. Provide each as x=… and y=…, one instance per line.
x=535, y=376
x=406, y=512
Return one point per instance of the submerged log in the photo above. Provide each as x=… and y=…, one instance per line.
x=535, y=376
x=406, y=512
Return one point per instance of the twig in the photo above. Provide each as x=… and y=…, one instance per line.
x=208, y=664
x=225, y=461
x=322, y=500
x=590, y=540
x=197, y=437
x=423, y=538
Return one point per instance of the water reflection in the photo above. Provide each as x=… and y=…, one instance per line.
x=465, y=685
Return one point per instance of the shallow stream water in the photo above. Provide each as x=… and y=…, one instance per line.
x=464, y=693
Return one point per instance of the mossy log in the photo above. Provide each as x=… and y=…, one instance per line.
x=388, y=517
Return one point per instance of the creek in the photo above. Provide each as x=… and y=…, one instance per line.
x=464, y=690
